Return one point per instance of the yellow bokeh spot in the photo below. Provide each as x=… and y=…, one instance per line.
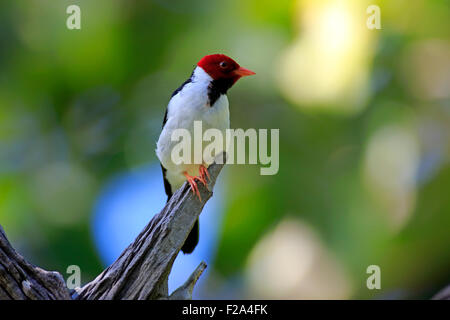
x=327, y=66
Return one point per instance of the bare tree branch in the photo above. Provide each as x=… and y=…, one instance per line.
x=444, y=294
x=185, y=291
x=20, y=280
x=141, y=272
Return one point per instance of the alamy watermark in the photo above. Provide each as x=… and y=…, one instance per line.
x=374, y=20
x=374, y=280
x=74, y=20
x=190, y=148
x=74, y=280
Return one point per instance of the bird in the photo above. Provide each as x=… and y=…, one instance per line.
x=202, y=97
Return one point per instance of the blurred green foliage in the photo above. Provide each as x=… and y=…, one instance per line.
x=78, y=106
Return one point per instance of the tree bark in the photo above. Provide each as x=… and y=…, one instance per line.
x=20, y=280
x=444, y=294
x=141, y=271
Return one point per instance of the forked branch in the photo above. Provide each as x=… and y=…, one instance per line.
x=141, y=271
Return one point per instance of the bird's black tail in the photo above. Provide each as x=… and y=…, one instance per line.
x=192, y=239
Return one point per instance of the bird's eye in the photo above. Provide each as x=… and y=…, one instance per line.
x=223, y=64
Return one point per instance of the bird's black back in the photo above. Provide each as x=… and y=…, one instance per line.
x=193, y=237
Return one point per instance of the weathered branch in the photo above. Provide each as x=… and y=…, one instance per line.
x=142, y=270
x=20, y=280
x=444, y=294
x=185, y=291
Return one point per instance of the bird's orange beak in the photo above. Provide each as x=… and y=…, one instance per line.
x=242, y=72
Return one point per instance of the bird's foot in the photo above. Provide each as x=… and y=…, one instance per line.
x=204, y=175
x=193, y=184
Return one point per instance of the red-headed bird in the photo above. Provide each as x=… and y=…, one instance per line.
x=202, y=97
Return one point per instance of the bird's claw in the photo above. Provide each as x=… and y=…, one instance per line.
x=204, y=176
x=193, y=184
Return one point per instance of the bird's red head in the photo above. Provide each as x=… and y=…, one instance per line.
x=220, y=66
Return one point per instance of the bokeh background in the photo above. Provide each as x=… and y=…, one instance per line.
x=364, y=119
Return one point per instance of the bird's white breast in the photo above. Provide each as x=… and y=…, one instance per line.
x=188, y=105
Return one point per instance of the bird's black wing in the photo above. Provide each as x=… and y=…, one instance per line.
x=164, y=120
x=193, y=237
x=182, y=85
x=167, y=186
